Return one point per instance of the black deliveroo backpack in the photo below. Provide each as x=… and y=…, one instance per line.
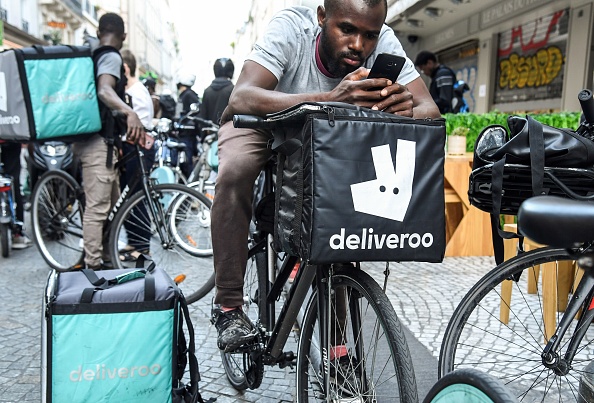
x=47, y=93
x=355, y=184
x=117, y=338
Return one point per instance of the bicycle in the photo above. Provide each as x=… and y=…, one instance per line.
x=204, y=173
x=170, y=221
x=168, y=169
x=535, y=365
x=377, y=362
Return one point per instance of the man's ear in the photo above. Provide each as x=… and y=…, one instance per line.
x=321, y=15
x=123, y=37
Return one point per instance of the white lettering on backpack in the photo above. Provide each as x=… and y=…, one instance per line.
x=60, y=97
x=101, y=372
x=368, y=240
x=10, y=120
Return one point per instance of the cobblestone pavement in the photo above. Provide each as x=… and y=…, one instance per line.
x=424, y=296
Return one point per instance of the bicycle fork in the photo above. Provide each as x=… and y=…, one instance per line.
x=583, y=301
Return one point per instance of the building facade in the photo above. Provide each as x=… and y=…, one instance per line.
x=516, y=55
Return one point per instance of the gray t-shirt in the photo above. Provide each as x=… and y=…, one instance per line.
x=288, y=50
x=109, y=63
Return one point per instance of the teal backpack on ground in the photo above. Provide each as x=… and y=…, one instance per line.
x=47, y=93
x=117, y=338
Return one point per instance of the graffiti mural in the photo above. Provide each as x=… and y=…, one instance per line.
x=531, y=60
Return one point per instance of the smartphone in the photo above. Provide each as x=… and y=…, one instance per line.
x=387, y=66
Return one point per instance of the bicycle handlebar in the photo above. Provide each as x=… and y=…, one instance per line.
x=251, y=122
x=587, y=104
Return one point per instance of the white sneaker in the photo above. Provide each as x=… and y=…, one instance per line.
x=21, y=241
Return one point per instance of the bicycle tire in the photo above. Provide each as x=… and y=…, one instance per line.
x=186, y=216
x=5, y=235
x=57, y=220
x=512, y=351
x=387, y=364
x=236, y=364
x=469, y=385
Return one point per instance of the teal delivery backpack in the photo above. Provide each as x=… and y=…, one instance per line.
x=117, y=336
x=47, y=93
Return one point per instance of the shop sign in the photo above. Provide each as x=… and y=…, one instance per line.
x=531, y=60
x=504, y=9
x=57, y=24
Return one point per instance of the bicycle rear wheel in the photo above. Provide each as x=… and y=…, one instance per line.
x=506, y=339
x=183, y=217
x=469, y=385
x=379, y=366
x=57, y=220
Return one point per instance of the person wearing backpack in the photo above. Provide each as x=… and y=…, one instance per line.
x=167, y=105
x=150, y=85
x=442, y=80
x=216, y=95
x=98, y=153
x=187, y=97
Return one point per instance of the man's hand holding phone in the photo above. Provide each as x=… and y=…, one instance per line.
x=396, y=98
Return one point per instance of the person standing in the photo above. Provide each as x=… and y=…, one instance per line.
x=187, y=97
x=142, y=103
x=442, y=80
x=98, y=153
x=216, y=95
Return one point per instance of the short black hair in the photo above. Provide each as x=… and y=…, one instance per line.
x=331, y=5
x=223, y=67
x=130, y=60
x=424, y=56
x=111, y=23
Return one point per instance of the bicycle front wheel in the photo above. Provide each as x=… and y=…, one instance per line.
x=378, y=366
x=57, y=220
x=469, y=385
x=173, y=227
x=499, y=328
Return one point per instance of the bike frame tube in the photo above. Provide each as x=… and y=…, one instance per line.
x=581, y=297
x=146, y=189
x=290, y=311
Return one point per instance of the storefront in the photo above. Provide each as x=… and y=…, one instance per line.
x=517, y=55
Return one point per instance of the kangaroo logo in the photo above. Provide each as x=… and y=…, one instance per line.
x=3, y=98
x=389, y=195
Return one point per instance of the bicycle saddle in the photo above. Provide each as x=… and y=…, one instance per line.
x=556, y=221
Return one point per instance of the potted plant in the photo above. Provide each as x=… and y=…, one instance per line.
x=457, y=141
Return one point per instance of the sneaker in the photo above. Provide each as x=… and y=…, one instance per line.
x=21, y=241
x=234, y=327
x=345, y=378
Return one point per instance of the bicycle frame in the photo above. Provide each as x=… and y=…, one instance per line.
x=581, y=302
x=142, y=178
x=279, y=329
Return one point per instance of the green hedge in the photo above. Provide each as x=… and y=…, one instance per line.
x=477, y=122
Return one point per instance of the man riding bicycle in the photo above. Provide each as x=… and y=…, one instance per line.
x=303, y=56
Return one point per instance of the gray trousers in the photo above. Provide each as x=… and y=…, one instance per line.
x=242, y=155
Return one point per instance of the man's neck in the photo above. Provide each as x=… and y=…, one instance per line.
x=131, y=81
x=319, y=63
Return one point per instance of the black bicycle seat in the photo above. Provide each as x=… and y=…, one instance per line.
x=557, y=222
